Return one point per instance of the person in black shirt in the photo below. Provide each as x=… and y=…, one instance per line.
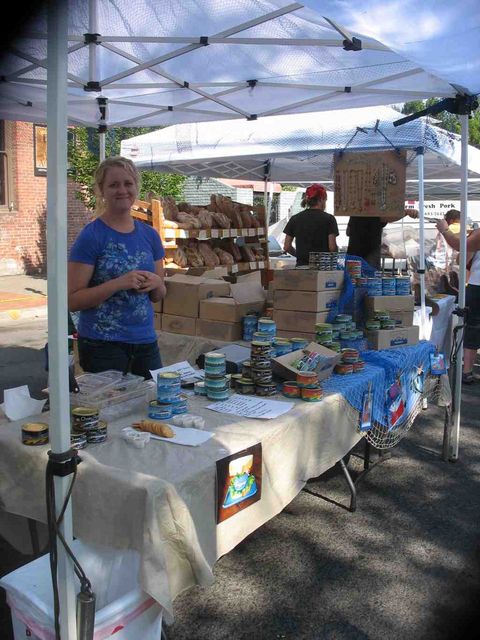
x=365, y=235
x=313, y=229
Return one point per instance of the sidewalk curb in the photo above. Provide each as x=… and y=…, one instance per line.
x=12, y=316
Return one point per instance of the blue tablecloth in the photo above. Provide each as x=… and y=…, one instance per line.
x=382, y=370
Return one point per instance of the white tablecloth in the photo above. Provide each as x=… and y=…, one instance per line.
x=161, y=500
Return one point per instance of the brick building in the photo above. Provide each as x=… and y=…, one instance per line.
x=23, y=200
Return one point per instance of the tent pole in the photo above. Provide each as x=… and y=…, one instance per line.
x=421, y=214
x=102, y=146
x=462, y=277
x=57, y=290
x=266, y=173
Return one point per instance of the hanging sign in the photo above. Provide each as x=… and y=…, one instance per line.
x=370, y=183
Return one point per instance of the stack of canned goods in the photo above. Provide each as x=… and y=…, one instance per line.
x=170, y=402
x=267, y=327
x=261, y=368
x=281, y=346
x=86, y=427
x=249, y=323
x=298, y=343
x=322, y=261
x=216, y=381
x=354, y=268
x=309, y=387
x=374, y=286
x=402, y=286
x=388, y=286
x=381, y=320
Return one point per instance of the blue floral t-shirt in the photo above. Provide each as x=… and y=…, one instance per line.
x=127, y=316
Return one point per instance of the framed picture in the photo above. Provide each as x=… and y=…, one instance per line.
x=438, y=365
x=239, y=481
x=40, y=149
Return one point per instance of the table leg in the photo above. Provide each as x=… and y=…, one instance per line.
x=32, y=528
x=351, y=486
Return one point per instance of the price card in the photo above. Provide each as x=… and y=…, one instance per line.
x=214, y=233
x=261, y=265
x=202, y=235
x=234, y=232
x=234, y=268
x=253, y=265
x=250, y=232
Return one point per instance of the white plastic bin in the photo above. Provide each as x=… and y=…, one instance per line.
x=123, y=610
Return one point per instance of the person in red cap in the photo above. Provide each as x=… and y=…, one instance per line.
x=313, y=229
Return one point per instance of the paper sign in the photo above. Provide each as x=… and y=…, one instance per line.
x=366, y=414
x=234, y=268
x=185, y=369
x=239, y=481
x=202, y=235
x=251, y=407
x=18, y=403
x=214, y=233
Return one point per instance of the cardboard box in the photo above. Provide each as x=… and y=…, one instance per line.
x=158, y=306
x=246, y=297
x=392, y=338
x=308, y=280
x=157, y=321
x=227, y=331
x=282, y=365
x=403, y=318
x=305, y=300
x=296, y=334
x=179, y=324
x=185, y=292
x=298, y=320
x=388, y=303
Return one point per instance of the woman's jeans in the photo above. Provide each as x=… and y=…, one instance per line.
x=100, y=355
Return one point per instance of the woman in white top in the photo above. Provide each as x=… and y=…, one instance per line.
x=471, y=339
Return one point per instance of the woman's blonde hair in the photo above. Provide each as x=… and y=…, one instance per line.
x=100, y=173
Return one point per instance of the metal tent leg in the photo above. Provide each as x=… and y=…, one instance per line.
x=351, y=486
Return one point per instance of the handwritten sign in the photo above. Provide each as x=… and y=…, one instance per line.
x=370, y=183
x=251, y=407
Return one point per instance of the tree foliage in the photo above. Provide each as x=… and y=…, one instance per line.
x=83, y=155
x=448, y=121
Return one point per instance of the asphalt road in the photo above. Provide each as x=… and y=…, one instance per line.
x=405, y=566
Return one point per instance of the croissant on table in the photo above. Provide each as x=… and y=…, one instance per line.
x=154, y=426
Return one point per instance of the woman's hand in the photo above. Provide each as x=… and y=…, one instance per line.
x=442, y=225
x=132, y=280
x=151, y=281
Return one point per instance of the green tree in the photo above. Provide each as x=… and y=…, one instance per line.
x=448, y=121
x=83, y=155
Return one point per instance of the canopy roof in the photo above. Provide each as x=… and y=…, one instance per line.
x=441, y=36
x=300, y=148
x=151, y=63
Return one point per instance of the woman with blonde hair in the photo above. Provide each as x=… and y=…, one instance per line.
x=115, y=272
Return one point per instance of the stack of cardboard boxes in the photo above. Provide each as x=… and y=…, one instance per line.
x=400, y=309
x=212, y=308
x=301, y=298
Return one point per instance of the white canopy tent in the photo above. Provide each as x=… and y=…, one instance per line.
x=300, y=148
x=158, y=63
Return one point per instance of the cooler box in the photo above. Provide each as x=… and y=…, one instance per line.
x=123, y=610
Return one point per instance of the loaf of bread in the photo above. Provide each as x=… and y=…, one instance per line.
x=154, y=426
x=180, y=257
x=224, y=256
x=209, y=256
